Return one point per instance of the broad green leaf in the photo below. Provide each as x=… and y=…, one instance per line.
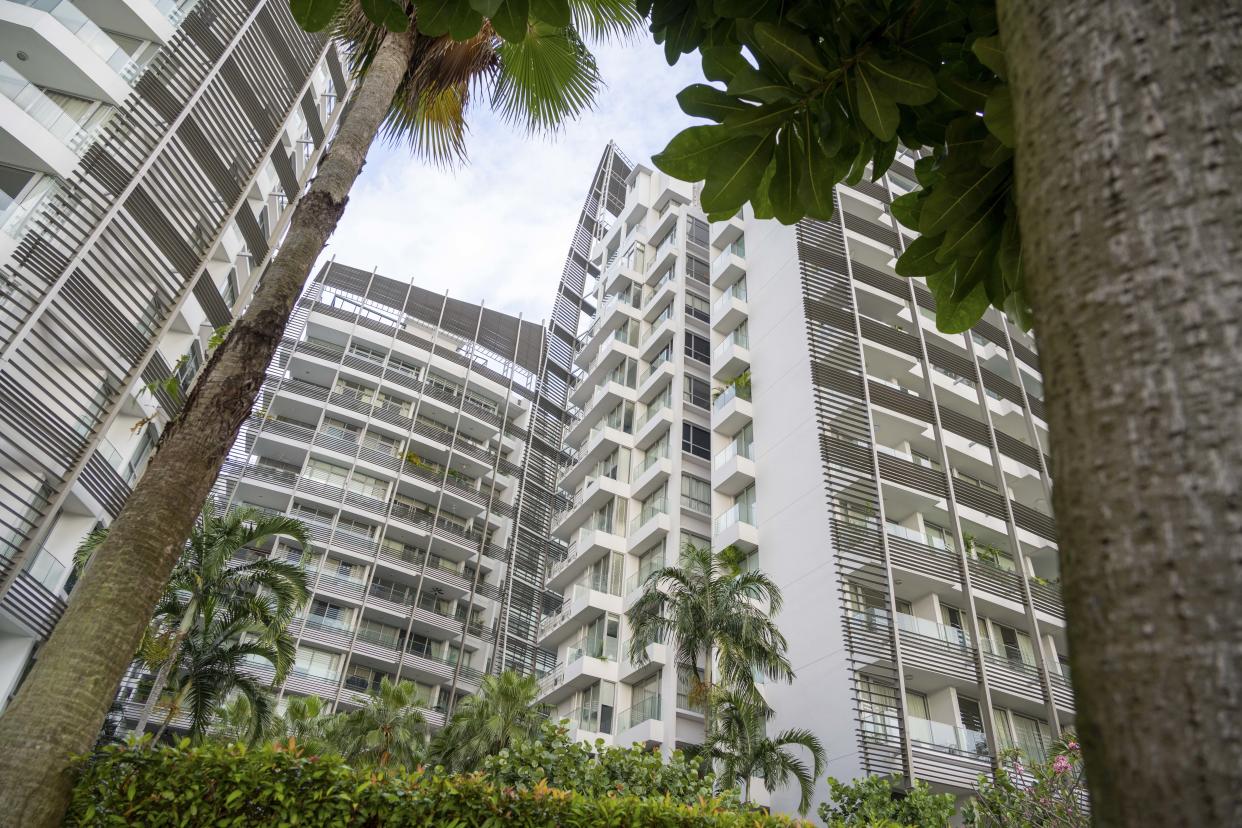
x=703, y=101
x=375, y=10
x=933, y=23
x=956, y=315
x=748, y=83
x=683, y=35
x=448, y=17
x=991, y=55
x=904, y=81
x=958, y=196
x=972, y=271
x=858, y=166
x=788, y=48
x=820, y=173
x=875, y=108
x=1019, y=310
x=487, y=8
x=998, y=115
x=735, y=172
x=1009, y=257
x=761, y=119
x=972, y=233
x=739, y=8
x=920, y=257
x=553, y=12
x=691, y=151
x=906, y=208
x=510, y=20
x=783, y=189
x=761, y=202
x=993, y=152
x=720, y=63
x=883, y=158
x=927, y=171
x=960, y=90
x=314, y=15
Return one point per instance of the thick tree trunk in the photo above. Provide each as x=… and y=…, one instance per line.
x=1129, y=124
x=64, y=699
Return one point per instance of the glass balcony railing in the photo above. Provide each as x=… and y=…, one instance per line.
x=932, y=629
x=946, y=737
x=734, y=449
x=605, y=650
x=735, y=291
x=650, y=510
x=96, y=39
x=650, y=460
x=31, y=100
x=737, y=513
x=737, y=248
x=644, y=571
x=646, y=709
x=728, y=395
x=737, y=339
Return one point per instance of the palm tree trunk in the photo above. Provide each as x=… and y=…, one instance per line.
x=62, y=703
x=1128, y=120
x=173, y=707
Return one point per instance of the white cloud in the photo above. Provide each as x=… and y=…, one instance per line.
x=498, y=229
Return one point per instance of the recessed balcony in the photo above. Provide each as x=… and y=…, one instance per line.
x=724, y=233
x=641, y=724
x=615, y=311
x=581, y=605
x=600, y=442
x=651, y=381
x=586, y=662
x=587, y=500
x=732, y=356
x=730, y=310
x=631, y=671
x=611, y=354
x=657, y=338
x=649, y=475
x=729, y=265
x=652, y=425
x=657, y=298
x=736, y=527
x=604, y=399
x=651, y=524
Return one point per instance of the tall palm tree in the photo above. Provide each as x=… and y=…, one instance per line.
x=264, y=594
x=233, y=722
x=742, y=750
x=413, y=88
x=389, y=732
x=718, y=618
x=502, y=712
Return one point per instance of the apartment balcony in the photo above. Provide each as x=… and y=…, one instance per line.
x=665, y=256
x=736, y=527
x=936, y=648
x=1062, y=693
x=612, y=314
x=612, y=353
x=728, y=266
x=35, y=133
x=731, y=357
x=657, y=338
x=650, y=524
x=730, y=310
x=649, y=475
x=600, y=442
x=604, y=399
x=631, y=671
x=641, y=724
x=725, y=233
x=585, y=663
x=652, y=425
x=947, y=754
x=1010, y=673
x=733, y=470
x=587, y=500
x=587, y=547
x=657, y=297
x=581, y=605
x=731, y=412
x=651, y=380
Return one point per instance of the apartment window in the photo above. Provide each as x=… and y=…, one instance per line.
x=971, y=714
x=373, y=632
x=938, y=536
x=382, y=443
x=369, y=485
x=357, y=527
x=326, y=472
x=696, y=440
x=330, y=615
x=360, y=392
x=622, y=417
x=698, y=307
x=691, y=539
x=442, y=383
x=696, y=231
x=318, y=664
x=610, y=517
x=877, y=708
x=405, y=367
x=345, y=570
x=696, y=494
x=924, y=460
x=697, y=269
x=230, y=288
x=698, y=348
x=1033, y=737
x=388, y=402
x=697, y=392
x=369, y=354
x=339, y=429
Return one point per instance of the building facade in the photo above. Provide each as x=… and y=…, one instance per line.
x=905, y=489
x=151, y=152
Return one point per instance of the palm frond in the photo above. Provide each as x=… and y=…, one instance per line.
x=607, y=21
x=547, y=79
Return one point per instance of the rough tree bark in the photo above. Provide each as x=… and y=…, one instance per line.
x=1129, y=123
x=64, y=699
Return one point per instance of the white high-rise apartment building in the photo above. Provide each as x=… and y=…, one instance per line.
x=150, y=154
x=781, y=390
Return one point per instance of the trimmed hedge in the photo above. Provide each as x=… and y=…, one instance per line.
x=232, y=786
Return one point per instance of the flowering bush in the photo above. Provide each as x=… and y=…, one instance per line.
x=1050, y=794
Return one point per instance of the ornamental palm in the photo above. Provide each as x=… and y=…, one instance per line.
x=502, y=712
x=261, y=595
x=716, y=615
x=388, y=732
x=307, y=722
x=411, y=87
x=741, y=749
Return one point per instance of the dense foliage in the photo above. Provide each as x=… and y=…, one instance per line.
x=597, y=770
x=1051, y=793
x=232, y=786
x=815, y=91
x=877, y=802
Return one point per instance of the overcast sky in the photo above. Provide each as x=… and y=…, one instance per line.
x=497, y=230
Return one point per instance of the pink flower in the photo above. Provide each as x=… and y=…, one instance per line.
x=1060, y=764
x=1071, y=745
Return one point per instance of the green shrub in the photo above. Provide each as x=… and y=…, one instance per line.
x=223, y=786
x=878, y=802
x=597, y=770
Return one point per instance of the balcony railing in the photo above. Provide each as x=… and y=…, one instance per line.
x=734, y=449
x=737, y=248
x=729, y=394
x=636, y=580
x=738, y=338
x=641, y=711
x=737, y=513
x=947, y=737
x=604, y=650
x=31, y=100
x=650, y=510
x=930, y=629
x=96, y=39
